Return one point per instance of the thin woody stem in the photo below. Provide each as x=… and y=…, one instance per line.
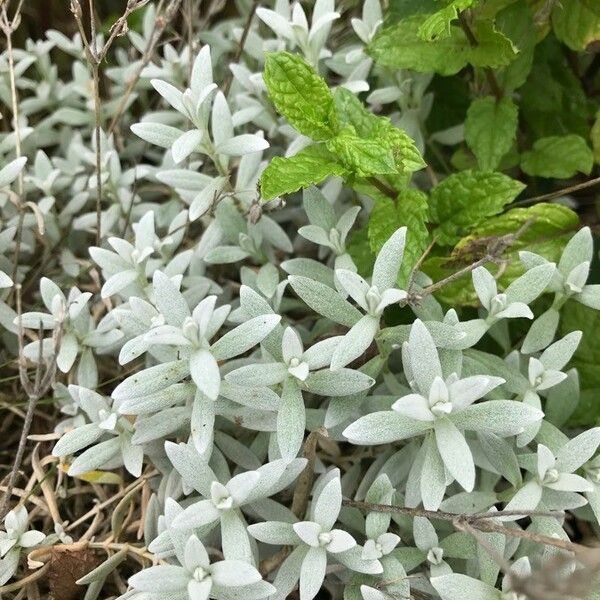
x=33, y=398
x=97, y=115
x=35, y=391
x=94, y=57
x=494, y=251
x=480, y=522
x=558, y=193
x=385, y=189
x=240, y=48
x=161, y=23
x=8, y=27
x=305, y=481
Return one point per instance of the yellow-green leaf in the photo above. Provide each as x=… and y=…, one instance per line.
x=552, y=226
x=576, y=23
x=100, y=477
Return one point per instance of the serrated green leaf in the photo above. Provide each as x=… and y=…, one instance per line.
x=406, y=155
x=286, y=175
x=493, y=48
x=437, y=25
x=399, y=46
x=558, y=156
x=491, y=129
x=548, y=220
x=576, y=23
x=413, y=211
x=352, y=113
x=400, y=9
x=464, y=200
x=516, y=23
x=387, y=216
x=382, y=223
x=548, y=234
x=363, y=156
x=300, y=95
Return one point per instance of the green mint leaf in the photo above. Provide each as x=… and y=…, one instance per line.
x=401, y=9
x=286, y=175
x=516, y=23
x=300, y=95
x=352, y=113
x=493, y=48
x=548, y=220
x=401, y=47
x=383, y=221
x=466, y=199
x=410, y=209
x=552, y=225
x=490, y=129
x=362, y=156
x=558, y=156
x=407, y=156
x=576, y=23
x=437, y=25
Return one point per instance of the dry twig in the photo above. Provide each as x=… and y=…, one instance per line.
x=480, y=521
x=494, y=251
x=35, y=389
x=95, y=56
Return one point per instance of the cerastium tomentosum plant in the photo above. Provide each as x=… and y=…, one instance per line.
x=367, y=390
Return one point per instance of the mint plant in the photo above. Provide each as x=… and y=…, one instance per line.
x=300, y=300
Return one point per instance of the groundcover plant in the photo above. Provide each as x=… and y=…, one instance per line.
x=300, y=299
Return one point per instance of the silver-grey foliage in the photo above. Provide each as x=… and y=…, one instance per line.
x=220, y=383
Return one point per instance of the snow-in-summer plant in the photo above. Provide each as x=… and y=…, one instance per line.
x=15, y=538
x=568, y=281
x=372, y=298
x=442, y=407
x=108, y=433
x=316, y=541
x=198, y=578
x=300, y=370
x=456, y=585
x=274, y=323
